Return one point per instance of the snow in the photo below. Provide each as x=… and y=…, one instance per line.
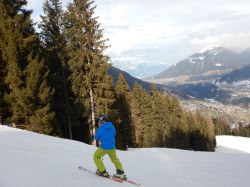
x=209, y=48
x=194, y=60
x=191, y=60
x=242, y=83
x=201, y=58
x=218, y=65
x=28, y=159
x=238, y=143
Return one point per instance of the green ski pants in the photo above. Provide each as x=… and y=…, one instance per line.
x=99, y=153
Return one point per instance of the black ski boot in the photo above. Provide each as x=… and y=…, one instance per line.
x=103, y=174
x=120, y=174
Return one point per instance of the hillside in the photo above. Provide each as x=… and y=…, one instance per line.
x=241, y=74
x=231, y=89
x=220, y=74
x=115, y=72
x=209, y=64
x=211, y=107
x=28, y=159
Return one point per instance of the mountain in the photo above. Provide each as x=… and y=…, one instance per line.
x=139, y=69
x=29, y=159
x=232, y=114
x=246, y=54
x=199, y=91
x=115, y=72
x=207, y=65
x=236, y=85
x=230, y=88
x=237, y=75
x=220, y=74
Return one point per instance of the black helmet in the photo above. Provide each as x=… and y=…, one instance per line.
x=103, y=117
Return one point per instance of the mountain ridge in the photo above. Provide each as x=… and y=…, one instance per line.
x=215, y=61
x=236, y=75
x=115, y=72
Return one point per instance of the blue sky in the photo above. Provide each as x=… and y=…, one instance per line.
x=159, y=33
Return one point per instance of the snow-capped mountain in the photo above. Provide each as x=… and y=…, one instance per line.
x=232, y=88
x=220, y=74
x=207, y=65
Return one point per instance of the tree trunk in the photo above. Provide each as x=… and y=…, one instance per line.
x=92, y=108
x=69, y=127
x=67, y=102
x=92, y=126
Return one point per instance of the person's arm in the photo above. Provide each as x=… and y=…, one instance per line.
x=114, y=130
x=98, y=134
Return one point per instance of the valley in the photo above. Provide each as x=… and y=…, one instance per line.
x=233, y=114
x=215, y=82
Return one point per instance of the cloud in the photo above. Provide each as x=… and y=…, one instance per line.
x=231, y=40
x=238, y=10
x=202, y=27
x=151, y=35
x=35, y=4
x=206, y=40
x=237, y=40
x=127, y=62
x=164, y=31
x=160, y=23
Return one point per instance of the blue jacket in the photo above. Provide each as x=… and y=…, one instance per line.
x=106, y=134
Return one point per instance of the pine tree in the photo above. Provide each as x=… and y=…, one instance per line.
x=159, y=116
x=222, y=127
x=149, y=125
x=3, y=89
x=166, y=117
x=142, y=118
x=38, y=97
x=122, y=104
x=136, y=114
x=201, y=133
x=25, y=71
x=54, y=41
x=183, y=137
x=85, y=44
x=8, y=9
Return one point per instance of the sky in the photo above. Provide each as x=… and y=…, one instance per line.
x=147, y=35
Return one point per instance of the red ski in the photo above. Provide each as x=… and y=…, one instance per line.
x=110, y=177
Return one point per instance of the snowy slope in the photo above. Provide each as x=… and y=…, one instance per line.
x=32, y=160
x=241, y=144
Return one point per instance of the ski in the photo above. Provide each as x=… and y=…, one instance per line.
x=110, y=177
x=92, y=172
x=132, y=182
x=128, y=181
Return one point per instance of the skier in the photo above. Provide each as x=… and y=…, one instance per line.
x=106, y=135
